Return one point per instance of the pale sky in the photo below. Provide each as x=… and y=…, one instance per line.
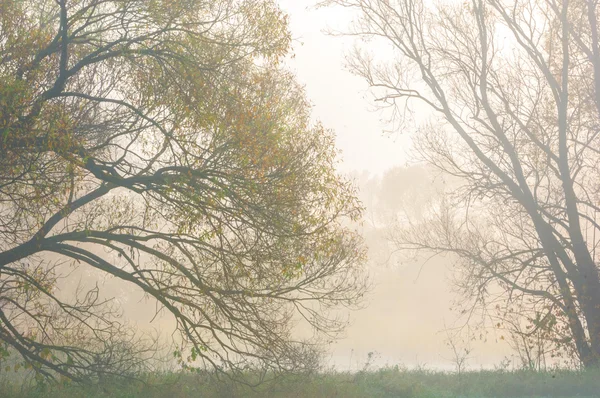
x=340, y=99
x=408, y=306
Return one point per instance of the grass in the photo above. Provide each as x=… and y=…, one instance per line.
x=389, y=382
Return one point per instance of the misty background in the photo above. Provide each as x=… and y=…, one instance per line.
x=408, y=318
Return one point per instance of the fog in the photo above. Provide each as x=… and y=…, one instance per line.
x=340, y=100
x=408, y=309
x=414, y=185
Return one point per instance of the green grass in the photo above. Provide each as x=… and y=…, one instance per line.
x=390, y=382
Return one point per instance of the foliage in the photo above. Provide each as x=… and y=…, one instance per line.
x=158, y=142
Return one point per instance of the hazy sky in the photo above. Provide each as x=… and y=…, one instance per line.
x=339, y=98
x=409, y=306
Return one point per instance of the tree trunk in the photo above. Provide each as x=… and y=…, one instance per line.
x=589, y=299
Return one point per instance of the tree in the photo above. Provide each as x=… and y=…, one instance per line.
x=513, y=93
x=159, y=143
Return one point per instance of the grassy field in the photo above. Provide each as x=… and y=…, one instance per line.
x=390, y=382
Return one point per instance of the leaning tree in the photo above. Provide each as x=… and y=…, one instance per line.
x=511, y=90
x=159, y=143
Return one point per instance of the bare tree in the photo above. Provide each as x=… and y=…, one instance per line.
x=533, y=341
x=460, y=348
x=159, y=143
x=513, y=89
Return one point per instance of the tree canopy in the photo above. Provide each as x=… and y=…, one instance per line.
x=512, y=90
x=160, y=143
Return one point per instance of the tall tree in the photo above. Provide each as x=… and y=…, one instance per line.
x=159, y=143
x=513, y=89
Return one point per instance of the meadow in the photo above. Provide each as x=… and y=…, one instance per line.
x=388, y=382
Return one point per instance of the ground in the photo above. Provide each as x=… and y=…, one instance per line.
x=389, y=382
